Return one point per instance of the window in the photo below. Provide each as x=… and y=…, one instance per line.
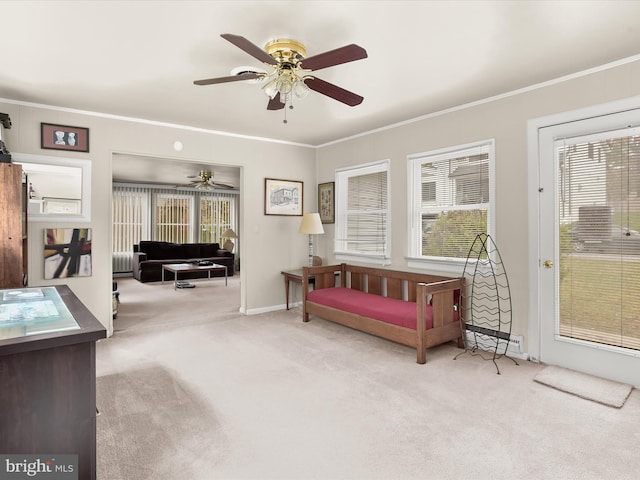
x=450, y=200
x=173, y=215
x=217, y=214
x=363, y=213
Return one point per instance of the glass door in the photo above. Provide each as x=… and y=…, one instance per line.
x=590, y=249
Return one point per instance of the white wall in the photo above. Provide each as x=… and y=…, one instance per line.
x=504, y=119
x=269, y=243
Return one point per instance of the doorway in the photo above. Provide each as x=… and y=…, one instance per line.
x=171, y=176
x=587, y=270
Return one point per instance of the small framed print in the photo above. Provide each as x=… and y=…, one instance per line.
x=326, y=202
x=64, y=137
x=282, y=197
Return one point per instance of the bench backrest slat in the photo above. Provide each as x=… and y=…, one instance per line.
x=374, y=284
x=411, y=290
x=357, y=282
x=325, y=280
x=394, y=288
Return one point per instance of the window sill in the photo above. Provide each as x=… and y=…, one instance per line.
x=436, y=265
x=363, y=259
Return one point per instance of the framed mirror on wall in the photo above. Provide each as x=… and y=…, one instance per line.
x=58, y=187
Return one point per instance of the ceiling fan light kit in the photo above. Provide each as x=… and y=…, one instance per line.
x=289, y=76
x=205, y=182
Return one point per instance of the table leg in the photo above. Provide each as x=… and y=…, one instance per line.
x=175, y=280
x=225, y=276
x=162, y=274
x=286, y=289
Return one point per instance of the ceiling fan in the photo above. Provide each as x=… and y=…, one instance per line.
x=204, y=181
x=289, y=71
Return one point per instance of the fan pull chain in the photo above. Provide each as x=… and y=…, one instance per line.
x=285, y=109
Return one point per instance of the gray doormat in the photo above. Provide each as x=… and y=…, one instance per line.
x=597, y=389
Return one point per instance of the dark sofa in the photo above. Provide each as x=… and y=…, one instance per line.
x=149, y=256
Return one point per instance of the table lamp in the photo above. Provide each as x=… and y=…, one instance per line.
x=229, y=234
x=311, y=225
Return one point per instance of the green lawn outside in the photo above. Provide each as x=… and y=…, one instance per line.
x=600, y=295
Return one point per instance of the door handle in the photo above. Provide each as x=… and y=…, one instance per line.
x=547, y=264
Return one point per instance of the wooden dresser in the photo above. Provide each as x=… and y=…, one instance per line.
x=12, y=226
x=48, y=377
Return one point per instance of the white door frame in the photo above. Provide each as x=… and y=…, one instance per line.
x=570, y=125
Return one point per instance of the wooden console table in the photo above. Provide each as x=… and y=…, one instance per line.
x=48, y=377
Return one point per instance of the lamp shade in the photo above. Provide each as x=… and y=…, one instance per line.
x=228, y=233
x=311, y=224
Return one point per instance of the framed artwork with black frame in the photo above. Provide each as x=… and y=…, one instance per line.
x=326, y=202
x=64, y=137
x=283, y=197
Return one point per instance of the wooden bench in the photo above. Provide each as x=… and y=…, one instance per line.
x=413, y=309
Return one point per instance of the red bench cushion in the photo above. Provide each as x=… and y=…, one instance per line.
x=390, y=310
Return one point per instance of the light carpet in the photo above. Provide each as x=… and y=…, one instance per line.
x=189, y=388
x=586, y=386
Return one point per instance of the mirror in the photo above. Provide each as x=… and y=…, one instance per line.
x=59, y=188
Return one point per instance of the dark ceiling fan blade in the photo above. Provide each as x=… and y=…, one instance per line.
x=348, y=53
x=223, y=185
x=275, y=103
x=333, y=91
x=231, y=78
x=253, y=50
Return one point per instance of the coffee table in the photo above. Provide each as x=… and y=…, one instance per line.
x=192, y=267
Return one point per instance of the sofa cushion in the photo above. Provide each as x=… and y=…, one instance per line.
x=175, y=250
x=157, y=250
x=192, y=250
x=209, y=249
x=389, y=310
x=154, y=250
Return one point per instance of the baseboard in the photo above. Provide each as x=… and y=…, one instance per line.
x=488, y=344
x=272, y=308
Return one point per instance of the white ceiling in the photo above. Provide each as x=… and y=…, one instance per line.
x=169, y=172
x=140, y=58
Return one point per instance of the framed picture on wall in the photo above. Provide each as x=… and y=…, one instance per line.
x=67, y=252
x=64, y=137
x=326, y=202
x=282, y=197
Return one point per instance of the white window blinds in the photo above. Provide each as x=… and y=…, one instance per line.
x=130, y=212
x=362, y=211
x=599, y=218
x=173, y=217
x=450, y=201
x=217, y=214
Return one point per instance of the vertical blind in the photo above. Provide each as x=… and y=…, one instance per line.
x=451, y=201
x=173, y=217
x=217, y=214
x=363, y=211
x=599, y=244
x=152, y=213
x=130, y=207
